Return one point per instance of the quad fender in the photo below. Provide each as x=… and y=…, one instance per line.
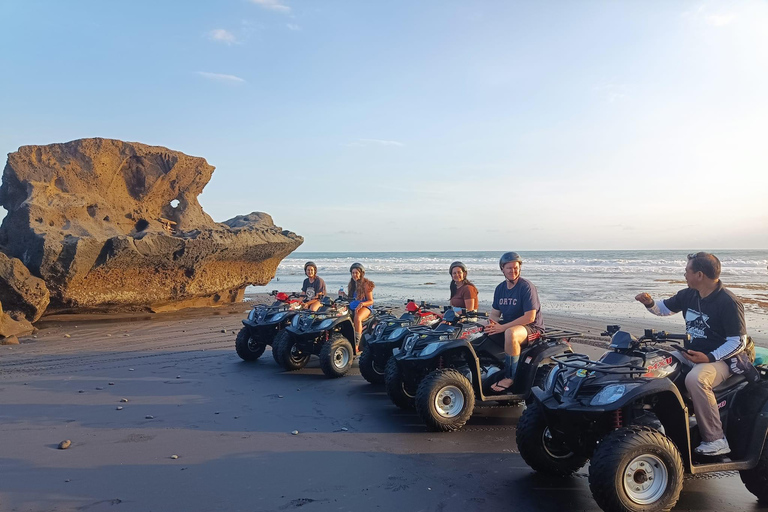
x=748, y=422
x=461, y=349
x=530, y=360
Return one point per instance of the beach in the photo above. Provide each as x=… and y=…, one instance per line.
x=132, y=391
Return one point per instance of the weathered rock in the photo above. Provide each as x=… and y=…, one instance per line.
x=20, y=291
x=97, y=219
x=10, y=340
x=13, y=324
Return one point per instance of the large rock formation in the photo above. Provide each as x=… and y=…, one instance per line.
x=112, y=225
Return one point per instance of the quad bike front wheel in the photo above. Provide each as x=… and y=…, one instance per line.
x=288, y=355
x=370, y=369
x=336, y=356
x=248, y=347
x=445, y=400
x=540, y=450
x=636, y=469
x=397, y=390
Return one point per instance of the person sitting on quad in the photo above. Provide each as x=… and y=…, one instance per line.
x=360, y=292
x=515, y=317
x=714, y=318
x=313, y=288
x=463, y=292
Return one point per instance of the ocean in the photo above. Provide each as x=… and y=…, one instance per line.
x=595, y=284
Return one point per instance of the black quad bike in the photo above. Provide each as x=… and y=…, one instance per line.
x=388, y=335
x=327, y=333
x=263, y=323
x=443, y=371
x=629, y=414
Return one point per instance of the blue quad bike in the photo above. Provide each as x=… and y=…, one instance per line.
x=327, y=333
x=630, y=415
x=263, y=323
x=388, y=335
x=443, y=371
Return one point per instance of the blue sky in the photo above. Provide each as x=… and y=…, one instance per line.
x=422, y=125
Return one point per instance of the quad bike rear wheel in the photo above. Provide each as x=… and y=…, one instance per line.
x=540, y=449
x=248, y=347
x=371, y=370
x=397, y=391
x=288, y=354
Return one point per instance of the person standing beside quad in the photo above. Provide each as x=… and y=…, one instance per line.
x=714, y=318
x=313, y=287
x=360, y=293
x=515, y=316
x=463, y=292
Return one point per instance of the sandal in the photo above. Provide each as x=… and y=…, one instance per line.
x=498, y=388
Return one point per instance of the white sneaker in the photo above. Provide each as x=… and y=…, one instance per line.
x=719, y=447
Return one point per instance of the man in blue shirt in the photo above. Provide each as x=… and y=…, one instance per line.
x=515, y=316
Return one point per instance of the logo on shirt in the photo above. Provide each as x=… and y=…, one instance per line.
x=506, y=301
x=310, y=293
x=696, y=323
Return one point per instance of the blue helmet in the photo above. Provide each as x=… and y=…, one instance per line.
x=508, y=257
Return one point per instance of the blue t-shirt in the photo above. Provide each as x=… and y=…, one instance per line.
x=515, y=302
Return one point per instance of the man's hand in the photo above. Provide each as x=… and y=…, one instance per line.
x=493, y=328
x=696, y=357
x=645, y=299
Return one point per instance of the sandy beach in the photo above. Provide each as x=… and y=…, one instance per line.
x=132, y=392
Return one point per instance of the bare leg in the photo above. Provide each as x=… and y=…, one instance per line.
x=514, y=338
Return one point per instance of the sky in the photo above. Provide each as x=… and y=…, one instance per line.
x=431, y=125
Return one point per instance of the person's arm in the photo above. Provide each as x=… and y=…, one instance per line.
x=657, y=308
x=321, y=289
x=736, y=333
x=495, y=316
x=470, y=298
x=367, y=302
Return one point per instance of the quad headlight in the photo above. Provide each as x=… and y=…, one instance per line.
x=430, y=348
x=610, y=394
x=278, y=317
x=396, y=333
x=325, y=323
x=295, y=321
x=252, y=314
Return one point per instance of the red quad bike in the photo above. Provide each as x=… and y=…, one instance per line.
x=388, y=335
x=630, y=415
x=263, y=323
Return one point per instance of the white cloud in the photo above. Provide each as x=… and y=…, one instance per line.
x=272, y=5
x=720, y=20
x=218, y=77
x=613, y=92
x=222, y=36
x=293, y=27
x=374, y=142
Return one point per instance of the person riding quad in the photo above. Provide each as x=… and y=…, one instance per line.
x=515, y=317
x=714, y=318
x=313, y=288
x=463, y=292
x=360, y=293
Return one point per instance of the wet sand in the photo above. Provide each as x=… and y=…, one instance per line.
x=230, y=423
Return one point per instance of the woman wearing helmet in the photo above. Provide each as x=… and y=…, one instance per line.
x=515, y=316
x=463, y=292
x=313, y=288
x=360, y=292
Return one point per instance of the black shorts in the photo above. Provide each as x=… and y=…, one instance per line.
x=534, y=333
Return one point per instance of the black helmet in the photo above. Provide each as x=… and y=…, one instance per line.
x=310, y=264
x=358, y=266
x=457, y=264
x=508, y=257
